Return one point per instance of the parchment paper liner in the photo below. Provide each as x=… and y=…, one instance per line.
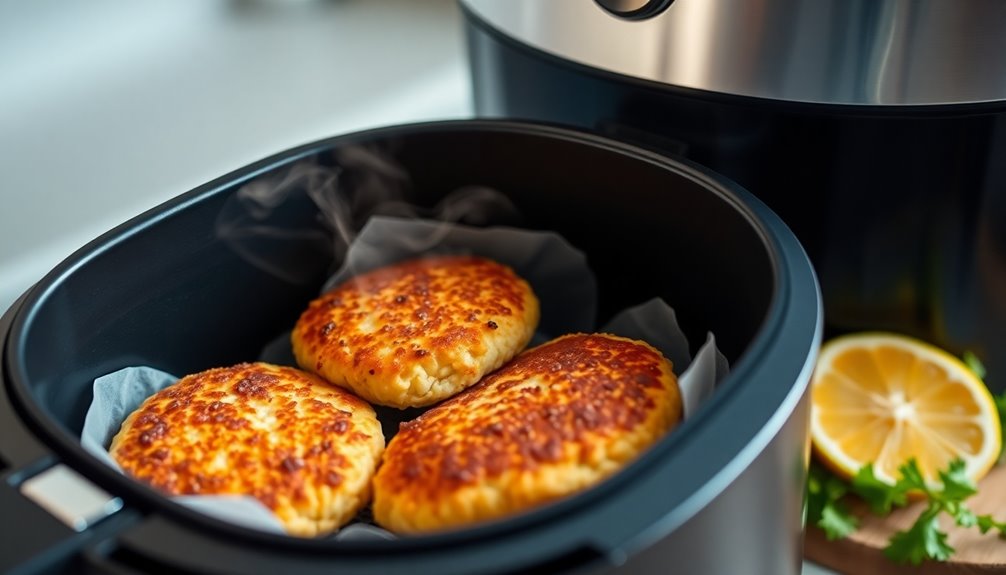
x=557, y=272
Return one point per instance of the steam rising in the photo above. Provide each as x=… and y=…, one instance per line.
x=265, y=221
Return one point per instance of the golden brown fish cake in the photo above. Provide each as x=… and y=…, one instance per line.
x=557, y=419
x=303, y=447
x=416, y=332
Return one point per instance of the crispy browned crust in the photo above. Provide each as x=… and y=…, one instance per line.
x=416, y=332
x=304, y=448
x=555, y=420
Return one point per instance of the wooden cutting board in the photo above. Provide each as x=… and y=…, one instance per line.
x=862, y=552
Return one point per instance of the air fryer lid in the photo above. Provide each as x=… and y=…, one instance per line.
x=163, y=290
x=870, y=52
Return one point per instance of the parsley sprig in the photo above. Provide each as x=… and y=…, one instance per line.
x=825, y=506
x=924, y=539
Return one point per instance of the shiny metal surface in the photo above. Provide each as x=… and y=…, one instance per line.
x=770, y=488
x=867, y=52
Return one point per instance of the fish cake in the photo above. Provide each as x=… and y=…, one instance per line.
x=303, y=447
x=414, y=333
x=557, y=419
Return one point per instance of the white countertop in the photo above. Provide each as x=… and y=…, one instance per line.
x=108, y=108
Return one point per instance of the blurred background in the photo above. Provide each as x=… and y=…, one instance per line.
x=108, y=108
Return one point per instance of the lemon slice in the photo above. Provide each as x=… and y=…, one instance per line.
x=887, y=398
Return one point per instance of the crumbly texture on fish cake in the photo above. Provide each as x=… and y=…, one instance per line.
x=414, y=333
x=557, y=419
x=303, y=447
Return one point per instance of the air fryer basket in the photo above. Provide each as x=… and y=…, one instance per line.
x=163, y=290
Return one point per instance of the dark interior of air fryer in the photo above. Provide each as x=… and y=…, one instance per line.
x=171, y=294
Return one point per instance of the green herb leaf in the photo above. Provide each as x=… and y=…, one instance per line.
x=824, y=506
x=816, y=496
x=1001, y=406
x=974, y=364
x=911, y=478
x=964, y=517
x=923, y=540
x=837, y=522
x=880, y=496
x=986, y=523
x=956, y=484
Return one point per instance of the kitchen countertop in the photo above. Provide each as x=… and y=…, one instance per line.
x=109, y=108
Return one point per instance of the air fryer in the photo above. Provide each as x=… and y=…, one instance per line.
x=723, y=493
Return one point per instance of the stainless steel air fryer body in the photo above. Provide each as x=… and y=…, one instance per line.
x=875, y=128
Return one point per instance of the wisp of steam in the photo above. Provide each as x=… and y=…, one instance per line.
x=260, y=222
